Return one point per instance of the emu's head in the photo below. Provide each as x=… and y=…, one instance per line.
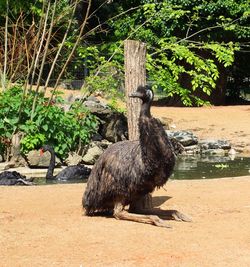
x=145, y=93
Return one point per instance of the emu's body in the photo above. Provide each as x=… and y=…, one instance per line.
x=75, y=172
x=127, y=171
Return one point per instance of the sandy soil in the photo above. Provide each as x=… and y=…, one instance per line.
x=44, y=226
x=224, y=122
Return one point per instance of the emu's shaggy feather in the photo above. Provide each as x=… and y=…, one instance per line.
x=129, y=170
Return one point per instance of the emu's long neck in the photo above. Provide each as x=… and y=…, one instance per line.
x=51, y=167
x=145, y=110
x=153, y=139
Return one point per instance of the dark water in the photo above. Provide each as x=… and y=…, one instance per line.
x=194, y=167
x=42, y=181
x=202, y=167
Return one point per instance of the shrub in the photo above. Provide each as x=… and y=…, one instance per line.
x=66, y=131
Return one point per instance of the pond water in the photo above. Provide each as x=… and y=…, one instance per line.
x=204, y=167
x=196, y=167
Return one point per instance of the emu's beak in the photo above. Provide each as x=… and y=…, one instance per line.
x=135, y=95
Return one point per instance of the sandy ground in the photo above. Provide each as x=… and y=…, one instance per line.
x=44, y=225
x=230, y=123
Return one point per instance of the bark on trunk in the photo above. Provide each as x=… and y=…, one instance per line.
x=135, y=75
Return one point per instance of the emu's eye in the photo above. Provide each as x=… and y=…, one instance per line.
x=149, y=94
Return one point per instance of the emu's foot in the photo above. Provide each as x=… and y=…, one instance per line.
x=178, y=216
x=166, y=214
x=121, y=214
x=159, y=222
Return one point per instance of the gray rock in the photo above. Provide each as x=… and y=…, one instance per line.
x=186, y=138
x=192, y=150
x=214, y=144
x=73, y=159
x=114, y=127
x=96, y=107
x=97, y=137
x=92, y=154
x=217, y=152
x=34, y=159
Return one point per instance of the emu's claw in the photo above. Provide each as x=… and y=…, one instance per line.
x=178, y=216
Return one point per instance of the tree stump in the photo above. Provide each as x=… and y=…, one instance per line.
x=135, y=75
x=16, y=158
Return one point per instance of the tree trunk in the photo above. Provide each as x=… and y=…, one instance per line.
x=135, y=75
x=16, y=158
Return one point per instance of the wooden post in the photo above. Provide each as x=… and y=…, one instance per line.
x=135, y=75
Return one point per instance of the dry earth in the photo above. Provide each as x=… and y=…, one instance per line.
x=44, y=226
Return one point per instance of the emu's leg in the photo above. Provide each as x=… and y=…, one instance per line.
x=143, y=203
x=121, y=214
x=145, y=206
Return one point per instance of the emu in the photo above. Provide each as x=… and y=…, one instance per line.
x=76, y=172
x=128, y=171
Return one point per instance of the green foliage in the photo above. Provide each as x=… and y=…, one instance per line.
x=50, y=124
x=114, y=105
x=104, y=75
x=107, y=78
x=186, y=40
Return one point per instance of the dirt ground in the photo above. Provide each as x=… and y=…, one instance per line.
x=44, y=225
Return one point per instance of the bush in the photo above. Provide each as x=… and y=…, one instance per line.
x=65, y=131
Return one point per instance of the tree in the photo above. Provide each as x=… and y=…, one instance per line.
x=135, y=75
x=187, y=41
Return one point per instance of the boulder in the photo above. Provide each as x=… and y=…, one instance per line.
x=96, y=107
x=73, y=159
x=216, y=152
x=92, y=154
x=186, y=138
x=113, y=125
x=214, y=144
x=34, y=159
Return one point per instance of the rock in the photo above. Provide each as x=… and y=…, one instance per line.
x=73, y=159
x=217, y=152
x=191, y=150
x=1, y=158
x=186, y=138
x=114, y=127
x=34, y=159
x=97, y=137
x=96, y=107
x=92, y=154
x=214, y=144
x=232, y=151
x=103, y=144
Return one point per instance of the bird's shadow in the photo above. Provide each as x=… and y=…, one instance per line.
x=159, y=200
x=156, y=202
